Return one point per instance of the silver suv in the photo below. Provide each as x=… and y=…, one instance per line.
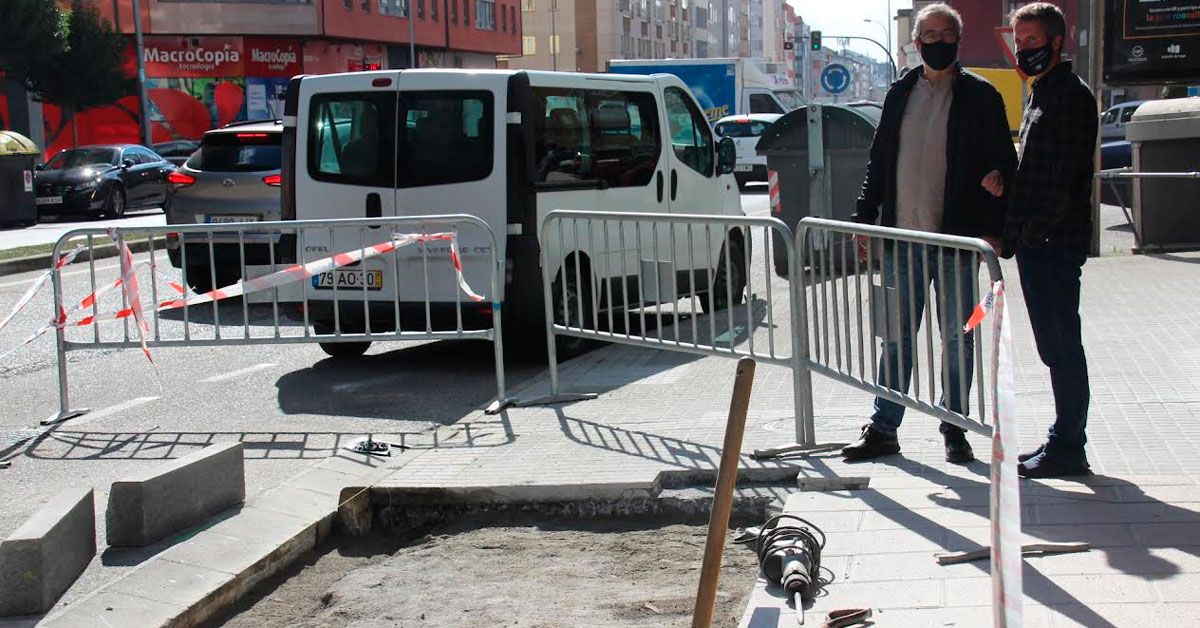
x=233, y=177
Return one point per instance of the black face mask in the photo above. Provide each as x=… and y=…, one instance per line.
x=939, y=55
x=1034, y=62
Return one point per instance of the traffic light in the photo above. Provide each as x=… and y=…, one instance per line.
x=815, y=41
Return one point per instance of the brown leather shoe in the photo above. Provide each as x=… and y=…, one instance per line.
x=871, y=444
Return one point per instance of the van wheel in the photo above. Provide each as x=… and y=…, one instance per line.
x=338, y=350
x=723, y=283
x=565, y=286
x=199, y=279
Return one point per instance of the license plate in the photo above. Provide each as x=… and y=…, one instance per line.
x=49, y=200
x=216, y=219
x=348, y=280
x=743, y=168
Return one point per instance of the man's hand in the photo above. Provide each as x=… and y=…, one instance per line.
x=997, y=244
x=994, y=183
x=861, y=243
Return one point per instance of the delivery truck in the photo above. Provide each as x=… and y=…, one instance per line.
x=724, y=87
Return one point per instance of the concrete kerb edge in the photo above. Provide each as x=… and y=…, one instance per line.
x=45, y=260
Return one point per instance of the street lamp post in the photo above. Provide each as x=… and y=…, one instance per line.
x=887, y=39
x=139, y=50
x=553, y=35
x=412, y=38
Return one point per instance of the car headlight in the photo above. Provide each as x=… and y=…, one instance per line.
x=86, y=185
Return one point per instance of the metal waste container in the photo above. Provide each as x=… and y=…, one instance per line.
x=825, y=185
x=17, y=157
x=1165, y=135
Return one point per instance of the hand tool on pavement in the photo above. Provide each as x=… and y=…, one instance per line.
x=1029, y=549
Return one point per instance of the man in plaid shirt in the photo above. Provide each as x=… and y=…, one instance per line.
x=1049, y=227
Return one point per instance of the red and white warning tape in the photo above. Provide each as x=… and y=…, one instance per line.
x=1007, y=593
x=129, y=283
x=65, y=259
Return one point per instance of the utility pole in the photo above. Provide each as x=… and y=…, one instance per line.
x=140, y=48
x=412, y=38
x=553, y=35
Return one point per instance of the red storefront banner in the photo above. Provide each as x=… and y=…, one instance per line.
x=331, y=57
x=193, y=57
x=271, y=57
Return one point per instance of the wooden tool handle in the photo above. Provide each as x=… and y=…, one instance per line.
x=718, y=522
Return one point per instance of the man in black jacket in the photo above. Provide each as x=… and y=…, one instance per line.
x=939, y=162
x=1049, y=227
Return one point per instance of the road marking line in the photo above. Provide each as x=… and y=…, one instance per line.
x=111, y=410
x=82, y=271
x=246, y=371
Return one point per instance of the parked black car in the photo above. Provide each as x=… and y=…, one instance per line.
x=176, y=152
x=102, y=180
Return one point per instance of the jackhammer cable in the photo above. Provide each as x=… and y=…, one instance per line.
x=790, y=554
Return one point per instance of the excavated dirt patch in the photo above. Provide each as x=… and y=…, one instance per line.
x=504, y=570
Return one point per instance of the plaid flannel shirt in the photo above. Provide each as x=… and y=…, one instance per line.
x=1051, y=194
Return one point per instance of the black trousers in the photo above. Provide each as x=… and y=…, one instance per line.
x=1050, y=282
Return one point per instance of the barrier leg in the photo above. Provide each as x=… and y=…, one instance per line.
x=65, y=412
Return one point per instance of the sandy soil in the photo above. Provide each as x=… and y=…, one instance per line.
x=513, y=573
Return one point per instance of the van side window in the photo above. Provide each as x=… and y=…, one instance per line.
x=596, y=135
x=624, y=137
x=446, y=137
x=563, y=151
x=352, y=138
x=1110, y=116
x=762, y=103
x=1127, y=113
x=691, y=137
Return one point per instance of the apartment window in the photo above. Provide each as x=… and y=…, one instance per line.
x=454, y=13
x=366, y=5
x=466, y=12
x=527, y=5
x=503, y=20
x=529, y=45
x=397, y=8
x=512, y=18
x=421, y=9
x=433, y=5
x=554, y=39
x=485, y=14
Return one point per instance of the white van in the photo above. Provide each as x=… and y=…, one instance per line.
x=508, y=147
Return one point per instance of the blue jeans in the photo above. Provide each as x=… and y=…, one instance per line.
x=1050, y=283
x=953, y=278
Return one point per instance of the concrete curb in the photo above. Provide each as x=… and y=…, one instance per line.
x=44, y=261
x=42, y=559
x=171, y=497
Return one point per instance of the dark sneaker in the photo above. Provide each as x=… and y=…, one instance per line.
x=1043, y=466
x=958, y=450
x=1029, y=455
x=871, y=444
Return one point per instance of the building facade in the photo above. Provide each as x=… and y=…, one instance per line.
x=590, y=33
x=212, y=62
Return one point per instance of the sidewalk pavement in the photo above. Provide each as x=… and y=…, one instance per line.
x=661, y=412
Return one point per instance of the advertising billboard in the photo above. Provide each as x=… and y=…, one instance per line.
x=713, y=84
x=1151, y=41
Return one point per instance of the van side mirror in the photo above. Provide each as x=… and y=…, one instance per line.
x=726, y=156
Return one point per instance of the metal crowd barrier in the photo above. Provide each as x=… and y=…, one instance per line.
x=650, y=282
x=422, y=278
x=858, y=286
